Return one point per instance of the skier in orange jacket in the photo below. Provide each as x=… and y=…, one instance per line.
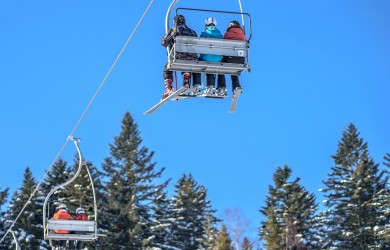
x=61, y=214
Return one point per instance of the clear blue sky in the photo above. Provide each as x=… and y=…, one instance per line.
x=316, y=67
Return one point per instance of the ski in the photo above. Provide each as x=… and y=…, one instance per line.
x=236, y=95
x=182, y=90
x=185, y=96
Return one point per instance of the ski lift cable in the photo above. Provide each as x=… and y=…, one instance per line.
x=81, y=118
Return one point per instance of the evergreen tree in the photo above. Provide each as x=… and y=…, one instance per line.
x=353, y=191
x=28, y=227
x=192, y=214
x=210, y=233
x=130, y=190
x=3, y=226
x=162, y=221
x=246, y=244
x=223, y=242
x=290, y=214
x=384, y=201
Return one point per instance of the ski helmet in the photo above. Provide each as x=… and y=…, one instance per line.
x=62, y=206
x=234, y=23
x=211, y=21
x=80, y=210
x=180, y=19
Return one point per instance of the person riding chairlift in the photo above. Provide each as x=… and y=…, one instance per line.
x=61, y=214
x=80, y=215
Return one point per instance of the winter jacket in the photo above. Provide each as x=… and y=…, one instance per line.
x=181, y=30
x=80, y=217
x=62, y=215
x=211, y=32
x=235, y=33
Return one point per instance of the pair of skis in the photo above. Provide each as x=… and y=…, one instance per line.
x=183, y=91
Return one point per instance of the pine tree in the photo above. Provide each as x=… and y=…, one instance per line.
x=246, y=244
x=130, y=190
x=28, y=227
x=3, y=226
x=384, y=201
x=353, y=190
x=162, y=220
x=223, y=242
x=210, y=233
x=192, y=211
x=290, y=214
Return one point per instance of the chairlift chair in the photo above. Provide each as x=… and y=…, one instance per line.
x=81, y=230
x=201, y=45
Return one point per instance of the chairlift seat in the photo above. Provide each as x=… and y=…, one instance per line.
x=83, y=230
x=201, y=45
x=79, y=237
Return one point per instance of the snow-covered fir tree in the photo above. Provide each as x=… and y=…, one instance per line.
x=3, y=226
x=130, y=187
x=162, y=220
x=210, y=233
x=354, y=200
x=28, y=228
x=193, y=213
x=223, y=241
x=384, y=230
x=290, y=213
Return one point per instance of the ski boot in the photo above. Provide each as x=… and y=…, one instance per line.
x=209, y=91
x=186, y=79
x=168, y=88
x=221, y=92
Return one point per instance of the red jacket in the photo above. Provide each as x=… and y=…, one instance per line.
x=80, y=217
x=62, y=215
x=235, y=33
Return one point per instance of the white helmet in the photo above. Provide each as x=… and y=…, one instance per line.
x=210, y=21
x=62, y=206
x=80, y=210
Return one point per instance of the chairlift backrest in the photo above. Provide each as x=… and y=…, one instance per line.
x=213, y=46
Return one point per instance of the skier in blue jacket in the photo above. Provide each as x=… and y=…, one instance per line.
x=211, y=31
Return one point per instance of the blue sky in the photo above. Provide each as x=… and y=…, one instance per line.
x=316, y=67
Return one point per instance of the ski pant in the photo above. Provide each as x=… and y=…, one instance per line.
x=79, y=245
x=235, y=81
x=210, y=79
x=58, y=243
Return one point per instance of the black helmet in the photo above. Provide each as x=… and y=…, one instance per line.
x=234, y=23
x=180, y=19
